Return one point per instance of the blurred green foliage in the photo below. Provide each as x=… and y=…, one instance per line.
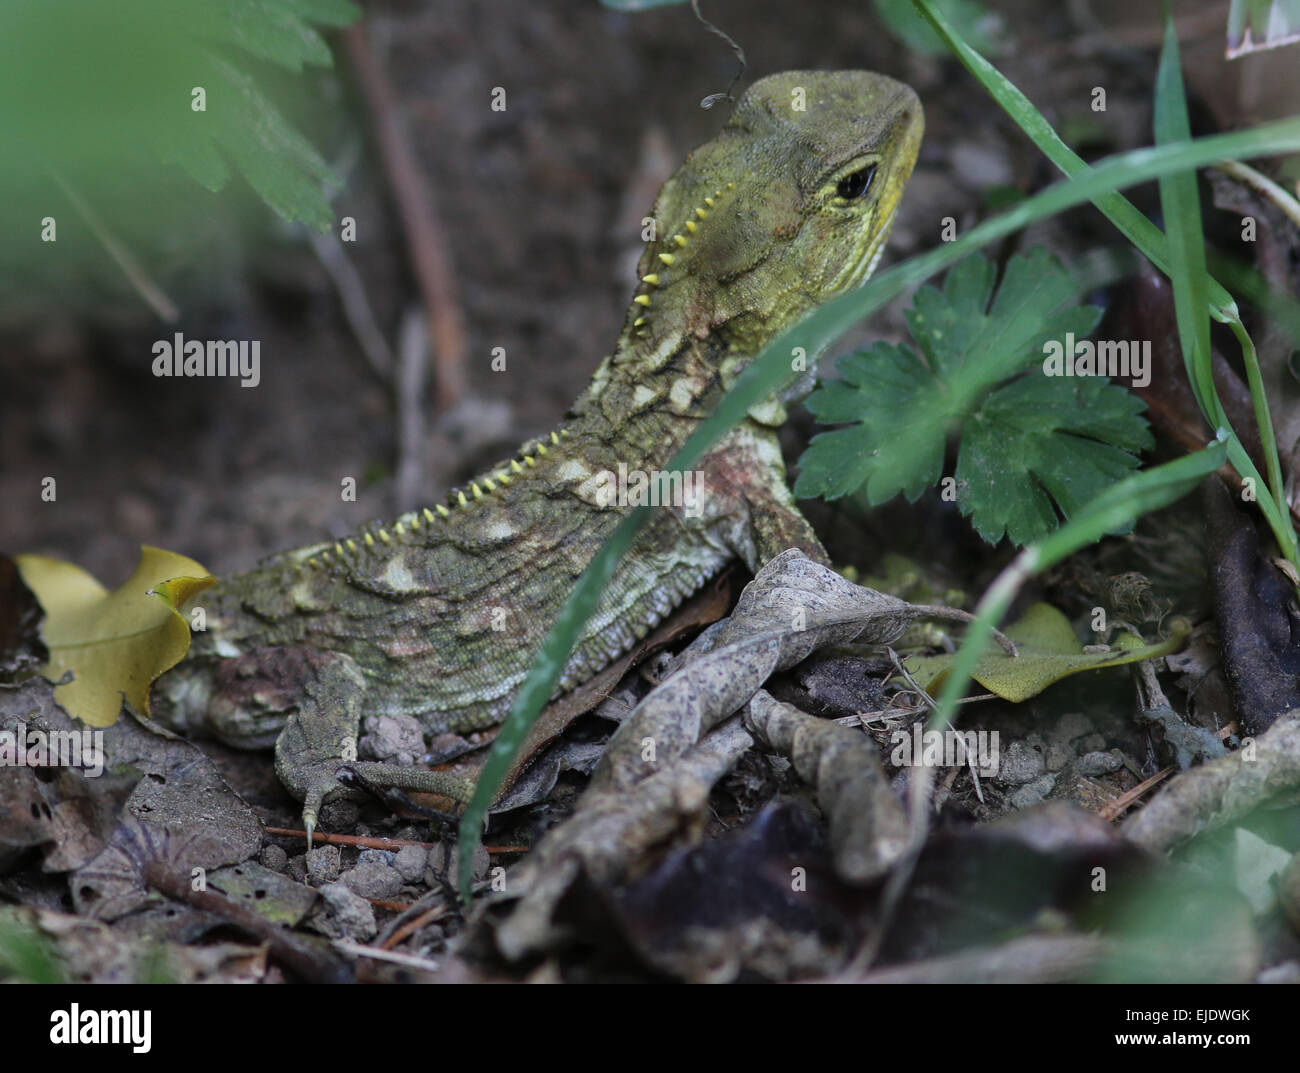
x=105, y=108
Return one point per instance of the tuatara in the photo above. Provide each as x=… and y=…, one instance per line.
x=439, y=613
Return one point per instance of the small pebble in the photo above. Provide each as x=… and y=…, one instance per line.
x=437, y=861
x=1099, y=763
x=409, y=862
x=396, y=739
x=297, y=868
x=1058, y=756
x=323, y=865
x=1033, y=792
x=1020, y=764
x=373, y=879
x=345, y=914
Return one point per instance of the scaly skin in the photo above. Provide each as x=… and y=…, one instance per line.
x=439, y=614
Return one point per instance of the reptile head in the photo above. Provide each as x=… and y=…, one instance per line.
x=787, y=207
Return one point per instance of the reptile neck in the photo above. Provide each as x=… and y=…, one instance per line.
x=661, y=391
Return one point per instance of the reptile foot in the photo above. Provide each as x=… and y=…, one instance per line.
x=316, y=784
x=319, y=782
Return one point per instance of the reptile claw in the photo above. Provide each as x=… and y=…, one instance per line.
x=317, y=785
x=311, y=809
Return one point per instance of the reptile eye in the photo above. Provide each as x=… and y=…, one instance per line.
x=852, y=187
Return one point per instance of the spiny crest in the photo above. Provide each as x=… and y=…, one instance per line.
x=667, y=258
x=351, y=551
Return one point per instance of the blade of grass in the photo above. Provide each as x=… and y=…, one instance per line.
x=1117, y=208
x=1264, y=419
x=1180, y=201
x=772, y=368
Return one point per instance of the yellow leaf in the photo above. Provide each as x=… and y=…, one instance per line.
x=1049, y=651
x=115, y=644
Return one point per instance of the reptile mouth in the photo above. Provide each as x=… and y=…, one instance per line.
x=859, y=269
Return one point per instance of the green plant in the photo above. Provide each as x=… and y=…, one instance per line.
x=1028, y=441
x=26, y=955
x=96, y=94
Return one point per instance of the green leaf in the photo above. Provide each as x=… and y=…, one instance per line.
x=70, y=107
x=273, y=32
x=278, y=162
x=280, y=30
x=1031, y=442
x=1048, y=651
x=1039, y=441
x=887, y=391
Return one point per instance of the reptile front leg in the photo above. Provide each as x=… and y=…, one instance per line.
x=756, y=513
x=319, y=697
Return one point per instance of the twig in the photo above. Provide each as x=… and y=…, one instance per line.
x=356, y=306
x=323, y=839
x=308, y=960
x=412, y=350
x=376, y=842
x=410, y=927
x=1120, y=805
x=393, y=956
x=1264, y=186
x=421, y=225
x=714, y=98
x=153, y=295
